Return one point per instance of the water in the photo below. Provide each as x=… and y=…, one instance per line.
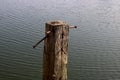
x=94, y=47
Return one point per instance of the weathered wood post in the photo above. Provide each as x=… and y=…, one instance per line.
x=55, y=55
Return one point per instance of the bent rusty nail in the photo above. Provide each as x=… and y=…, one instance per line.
x=42, y=39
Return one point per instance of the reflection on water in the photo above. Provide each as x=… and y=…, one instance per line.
x=94, y=48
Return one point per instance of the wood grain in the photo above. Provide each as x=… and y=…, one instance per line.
x=55, y=55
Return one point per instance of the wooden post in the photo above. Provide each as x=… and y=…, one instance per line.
x=55, y=55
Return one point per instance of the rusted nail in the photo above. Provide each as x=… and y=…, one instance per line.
x=72, y=26
x=42, y=39
x=39, y=41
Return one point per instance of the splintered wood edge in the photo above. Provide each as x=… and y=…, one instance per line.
x=56, y=23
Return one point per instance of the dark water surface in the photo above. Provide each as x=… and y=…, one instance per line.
x=94, y=47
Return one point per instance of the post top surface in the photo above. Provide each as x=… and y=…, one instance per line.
x=56, y=23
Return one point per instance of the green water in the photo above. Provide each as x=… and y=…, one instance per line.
x=94, y=47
